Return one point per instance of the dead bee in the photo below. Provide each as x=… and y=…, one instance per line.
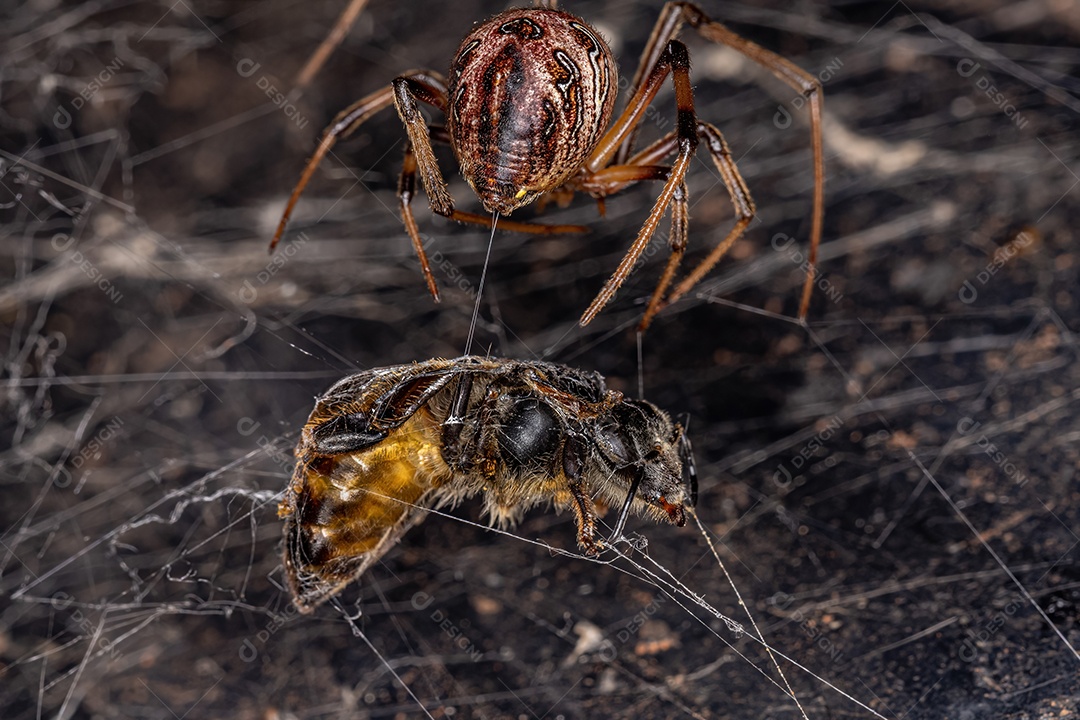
x=384, y=446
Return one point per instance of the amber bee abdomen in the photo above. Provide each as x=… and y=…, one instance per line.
x=351, y=501
x=531, y=93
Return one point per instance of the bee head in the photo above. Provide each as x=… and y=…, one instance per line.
x=651, y=456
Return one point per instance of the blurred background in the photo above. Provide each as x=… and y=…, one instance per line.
x=892, y=487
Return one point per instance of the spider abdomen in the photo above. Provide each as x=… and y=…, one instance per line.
x=531, y=93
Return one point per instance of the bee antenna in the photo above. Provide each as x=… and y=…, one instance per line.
x=684, y=421
x=686, y=452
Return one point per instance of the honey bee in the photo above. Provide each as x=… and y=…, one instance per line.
x=384, y=446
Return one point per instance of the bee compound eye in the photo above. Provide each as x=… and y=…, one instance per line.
x=612, y=446
x=528, y=431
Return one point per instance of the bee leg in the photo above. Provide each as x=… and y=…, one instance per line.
x=574, y=457
x=586, y=519
x=452, y=428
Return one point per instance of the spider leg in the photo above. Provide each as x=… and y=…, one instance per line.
x=677, y=243
x=667, y=27
x=740, y=200
x=406, y=190
x=626, y=124
x=346, y=122
x=676, y=62
x=406, y=92
x=529, y=228
x=642, y=167
x=612, y=179
x=329, y=44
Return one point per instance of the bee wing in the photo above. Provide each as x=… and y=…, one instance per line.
x=363, y=409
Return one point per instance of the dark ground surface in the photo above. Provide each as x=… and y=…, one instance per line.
x=157, y=370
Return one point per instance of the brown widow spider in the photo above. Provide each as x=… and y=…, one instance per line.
x=529, y=97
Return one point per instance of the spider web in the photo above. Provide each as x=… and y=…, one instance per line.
x=891, y=488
